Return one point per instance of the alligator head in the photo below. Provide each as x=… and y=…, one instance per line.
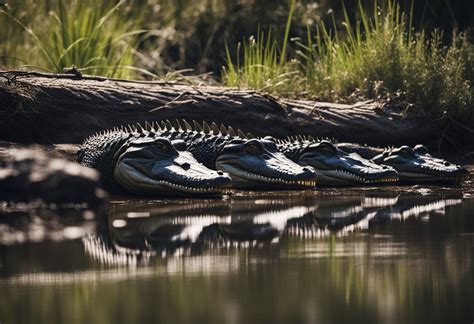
x=150, y=165
x=155, y=166
x=336, y=167
x=258, y=163
x=416, y=164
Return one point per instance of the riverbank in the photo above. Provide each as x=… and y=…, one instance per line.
x=66, y=108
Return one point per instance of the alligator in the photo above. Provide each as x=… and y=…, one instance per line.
x=135, y=163
x=250, y=162
x=414, y=165
x=333, y=166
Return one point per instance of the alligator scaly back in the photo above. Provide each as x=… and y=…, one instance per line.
x=293, y=146
x=98, y=150
x=204, y=141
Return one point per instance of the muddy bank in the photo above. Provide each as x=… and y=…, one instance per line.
x=45, y=108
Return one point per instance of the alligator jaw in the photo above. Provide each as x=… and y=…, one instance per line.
x=343, y=177
x=424, y=177
x=243, y=178
x=134, y=180
x=335, y=167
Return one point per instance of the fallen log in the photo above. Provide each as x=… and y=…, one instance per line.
x=65, y=108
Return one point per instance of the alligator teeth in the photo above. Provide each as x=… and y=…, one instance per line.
x=191, y=189
x=250, y=176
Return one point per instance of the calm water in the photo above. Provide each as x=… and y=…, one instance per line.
x=350, y=256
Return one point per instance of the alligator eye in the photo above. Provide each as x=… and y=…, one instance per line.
x=328, y=149
x=253, y=149
x=405, y=154
x=161, y=145
x=446, y=163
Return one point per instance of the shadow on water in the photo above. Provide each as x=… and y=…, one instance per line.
x=404, y=255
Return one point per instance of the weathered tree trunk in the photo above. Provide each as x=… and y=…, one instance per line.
x=46, y=108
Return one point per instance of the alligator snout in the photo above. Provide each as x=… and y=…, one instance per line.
x=306, y=174
x=218, y=180
x=293, y=174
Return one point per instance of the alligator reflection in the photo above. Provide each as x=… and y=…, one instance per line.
x=134, y=234
x=365, y=213
x=411, y=206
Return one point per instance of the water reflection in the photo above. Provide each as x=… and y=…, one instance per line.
x=37, y=222
x=137, y=233
x=360, y=258
x=186, y=228
x=417, y=207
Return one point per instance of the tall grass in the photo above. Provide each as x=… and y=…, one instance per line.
x=182, y=34
x=373, y=54
x=265, y=66
x=379, y=55
x=88, y=34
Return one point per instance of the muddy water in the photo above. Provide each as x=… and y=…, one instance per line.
x=374, y=255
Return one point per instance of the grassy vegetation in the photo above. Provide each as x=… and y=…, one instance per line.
x=377, y=56
x=181, y=34
x=265, y=67
x=381, y=56
x=89, y=34
x=366, y=51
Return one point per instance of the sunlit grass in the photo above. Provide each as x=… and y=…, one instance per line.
x=265, y=65
x=378, y=56
x=374, y=53
x=88, y=34
x=262, y=68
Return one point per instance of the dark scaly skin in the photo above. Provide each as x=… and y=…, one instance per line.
x=335, y=167
x=252, y=163
x=414, y=165
x=135, y=163
x=98, y=152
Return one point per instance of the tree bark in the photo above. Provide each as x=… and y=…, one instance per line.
x=65, y=108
